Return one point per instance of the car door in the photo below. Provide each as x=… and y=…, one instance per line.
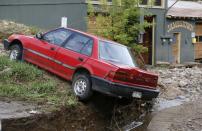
x=75, y=51
x=42, y=51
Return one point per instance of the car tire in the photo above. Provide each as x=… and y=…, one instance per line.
x=82, y=86
x=15, y=52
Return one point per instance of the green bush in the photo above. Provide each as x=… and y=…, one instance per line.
x=119, y=21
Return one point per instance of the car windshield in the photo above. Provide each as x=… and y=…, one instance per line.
x=116, y=53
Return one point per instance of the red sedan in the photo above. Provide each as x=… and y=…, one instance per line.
x=91, y=63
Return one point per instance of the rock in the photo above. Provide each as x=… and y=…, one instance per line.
x=172, y=93
x=182, y=83
x=34, y=112
x=167, y=81
x=180, y=97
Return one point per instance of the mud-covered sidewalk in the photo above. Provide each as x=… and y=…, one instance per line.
x=12, y=109
x=186, y=117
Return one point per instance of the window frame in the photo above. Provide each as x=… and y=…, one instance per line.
x=73, y=33
x=112, y=42
x=54, y=30
x=153, y=6
x=198, y=38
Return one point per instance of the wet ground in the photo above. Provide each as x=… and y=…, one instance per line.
x=185, y=117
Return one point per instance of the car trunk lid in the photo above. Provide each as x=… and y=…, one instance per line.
x=135, y=77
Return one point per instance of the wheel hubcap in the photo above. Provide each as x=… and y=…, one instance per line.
x=80, y=87
x=14, y=55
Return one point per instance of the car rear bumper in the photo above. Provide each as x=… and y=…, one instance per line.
x=6, y=44
x=120, y=90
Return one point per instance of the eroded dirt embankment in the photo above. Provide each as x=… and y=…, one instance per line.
x=101, y=114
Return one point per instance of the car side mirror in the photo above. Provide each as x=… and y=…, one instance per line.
x=39, y=36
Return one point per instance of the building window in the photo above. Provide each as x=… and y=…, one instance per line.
x=99, y=0
x=152, y=2
x=199, y=38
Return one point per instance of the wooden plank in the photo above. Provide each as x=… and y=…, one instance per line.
x=198, y=50
x=176, y=48
x=198, y=46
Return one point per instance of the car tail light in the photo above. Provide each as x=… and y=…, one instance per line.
x=110, y=75
x=118, y=75
x=121, y=76
x=134, y=77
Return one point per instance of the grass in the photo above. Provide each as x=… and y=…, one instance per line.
x=21, y=80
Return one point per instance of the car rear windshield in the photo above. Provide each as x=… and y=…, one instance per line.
x=116, y=53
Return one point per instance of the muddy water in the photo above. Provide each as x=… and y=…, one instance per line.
x=101, y=114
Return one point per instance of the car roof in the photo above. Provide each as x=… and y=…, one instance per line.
x=84, y=33
x=94, y=36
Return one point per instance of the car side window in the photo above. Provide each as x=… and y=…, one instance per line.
x=57, y=37
x=87, y=49
x=80, y=43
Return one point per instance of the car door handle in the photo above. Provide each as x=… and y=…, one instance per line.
x=52, y=48
x=80, y=59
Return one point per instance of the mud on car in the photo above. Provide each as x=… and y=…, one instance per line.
x=90, y=62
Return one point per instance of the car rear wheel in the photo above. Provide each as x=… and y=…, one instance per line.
x=15, y=52
x=82, y=86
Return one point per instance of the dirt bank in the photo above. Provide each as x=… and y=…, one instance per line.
x=103, y=113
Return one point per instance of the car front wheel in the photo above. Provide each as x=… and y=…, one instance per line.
x=82, y=86
x=15, y=52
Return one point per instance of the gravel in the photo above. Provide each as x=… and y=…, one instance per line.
x=183, y=83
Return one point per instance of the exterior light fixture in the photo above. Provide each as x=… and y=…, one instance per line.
x=170, y=40
x=167, y=39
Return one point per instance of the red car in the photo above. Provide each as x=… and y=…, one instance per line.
x=91, y=63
